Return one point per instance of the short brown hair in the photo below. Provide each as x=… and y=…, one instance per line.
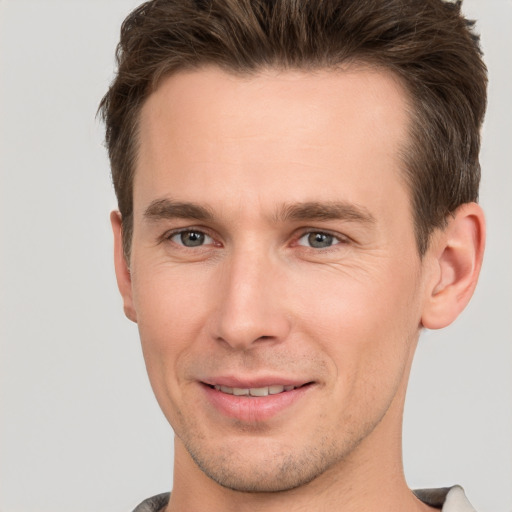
x=428, y=44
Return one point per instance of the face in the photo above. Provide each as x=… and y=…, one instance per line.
x=274, y=272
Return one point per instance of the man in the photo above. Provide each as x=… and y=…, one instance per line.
x=297, y=186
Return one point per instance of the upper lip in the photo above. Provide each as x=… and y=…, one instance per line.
x=256, y=382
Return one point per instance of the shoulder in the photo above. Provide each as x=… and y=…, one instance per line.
x=154, y=504
x=449, y=499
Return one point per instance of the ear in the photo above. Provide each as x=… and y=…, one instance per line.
x=457, y=253
x=124, y=279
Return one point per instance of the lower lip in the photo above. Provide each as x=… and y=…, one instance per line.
x=253, y=409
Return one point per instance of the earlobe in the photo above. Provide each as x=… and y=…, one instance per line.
x=457, y=253
x=124, y=280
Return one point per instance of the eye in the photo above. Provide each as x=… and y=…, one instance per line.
x=191, y=238
x=318, y=240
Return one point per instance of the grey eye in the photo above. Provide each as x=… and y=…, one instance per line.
x=191, y=238
x=318, y=240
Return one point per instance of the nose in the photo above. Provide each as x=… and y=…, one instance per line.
x=251, y=303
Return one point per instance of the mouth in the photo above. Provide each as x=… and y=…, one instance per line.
x=273, y=389
x=256, y=403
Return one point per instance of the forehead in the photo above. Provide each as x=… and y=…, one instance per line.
x=272, y=136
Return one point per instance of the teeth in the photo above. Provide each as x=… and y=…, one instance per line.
x=269, y=390
x=259, y=391
x=274, y=390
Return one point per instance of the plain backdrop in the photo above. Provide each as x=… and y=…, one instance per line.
x=80, y=430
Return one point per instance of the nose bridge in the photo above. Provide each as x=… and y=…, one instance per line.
x=250, y=309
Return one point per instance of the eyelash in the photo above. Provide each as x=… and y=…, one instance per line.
x=171, y=234
x=339, y=238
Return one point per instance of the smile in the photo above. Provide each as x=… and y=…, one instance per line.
x=256, y=403
x=263, y=391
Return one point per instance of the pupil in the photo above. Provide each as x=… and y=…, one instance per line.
x=319, y=240
x=192, y=238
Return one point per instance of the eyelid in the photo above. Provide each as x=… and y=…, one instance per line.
x=168, y=235
x=340, y=237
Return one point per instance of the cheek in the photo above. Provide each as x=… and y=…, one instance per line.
x=171, y=314
x=367, y=332
x=364, y=323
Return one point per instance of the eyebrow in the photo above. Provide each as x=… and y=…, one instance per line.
x=167, y=209
x=312, y=210
x=332, y=210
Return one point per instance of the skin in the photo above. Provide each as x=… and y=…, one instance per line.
x=257, y=170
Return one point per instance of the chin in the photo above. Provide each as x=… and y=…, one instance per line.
x=264, y=471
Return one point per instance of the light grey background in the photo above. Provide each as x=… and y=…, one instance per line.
x=80, y=429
